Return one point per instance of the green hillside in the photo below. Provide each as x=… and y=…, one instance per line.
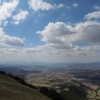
x=11, y=89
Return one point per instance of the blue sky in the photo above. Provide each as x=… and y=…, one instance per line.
x=50, y=30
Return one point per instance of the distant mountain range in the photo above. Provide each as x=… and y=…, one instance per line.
x=43, y=64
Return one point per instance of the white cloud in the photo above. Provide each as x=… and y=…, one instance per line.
x=20, y=16
x=14, y=41
x=55, y=32
x=62, y=46
x=60, y=34
x=88, y=31
x=60, y=6
x=75, y=5
x=40, y=5
x=59, y=38
x=67, y=7
x=8, y=50
x=47, y=53
x=5, y=23
x=6, y=40
x=92, y=15
x=96, y=7
x=7, y=8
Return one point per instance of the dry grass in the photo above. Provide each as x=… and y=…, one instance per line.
x=10, y=89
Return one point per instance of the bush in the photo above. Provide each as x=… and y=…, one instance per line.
x=2, y=72
x=10, y=75
x=31, y=86
x=16, y=78
x=44, y=90
x=51, y=93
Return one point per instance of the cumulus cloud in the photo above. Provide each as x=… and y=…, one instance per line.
x=6, y=40
x=60, y=33
x=88, y=31
x=14, y=41
x=92, y=15
x=58, y=36
x=7, y=8
x=55, y=32
x=20, y=16
x=40, y=5
x=75, y=5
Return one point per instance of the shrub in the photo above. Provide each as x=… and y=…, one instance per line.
x=2, y=72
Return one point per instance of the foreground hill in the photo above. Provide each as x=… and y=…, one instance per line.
x=15, y=88
x=11, y=89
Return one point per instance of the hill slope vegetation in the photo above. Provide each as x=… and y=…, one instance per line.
x=10, y=89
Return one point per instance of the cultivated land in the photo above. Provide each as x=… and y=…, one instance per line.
x=61, y=78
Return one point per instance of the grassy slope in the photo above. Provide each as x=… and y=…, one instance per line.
x=10, y=89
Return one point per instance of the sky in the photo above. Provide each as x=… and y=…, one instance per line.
x=61, y=31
